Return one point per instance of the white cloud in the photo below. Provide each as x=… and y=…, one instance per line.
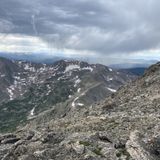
x=22, y=43
x=29, y=44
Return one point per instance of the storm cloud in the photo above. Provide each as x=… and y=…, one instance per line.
x=103, y=27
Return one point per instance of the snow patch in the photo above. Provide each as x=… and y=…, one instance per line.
x=79, y=89
x=69, y=96
x=80, y=104
x=110, y=79
x=10, y=91
x=48, y=92
x=77, y=81
x=17, y=77
x=32, y=112
x=112, y=90
x=110, y=69
x=73, y=103
x=29, y=68
x=72, y=67
x=3, y=75
x=88, y=68
x=26, y=67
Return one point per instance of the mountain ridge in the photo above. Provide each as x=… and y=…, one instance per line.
x=37, y=87
x=123, y=126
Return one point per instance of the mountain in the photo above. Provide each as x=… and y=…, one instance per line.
x=36, y=57
x=123, y=126
x=135, y=71
x=134, y=63
x=7, y=68
x=30, y=88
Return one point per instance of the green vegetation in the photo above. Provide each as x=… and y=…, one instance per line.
x=15, y=113
x=85, y=143
x=97, y=151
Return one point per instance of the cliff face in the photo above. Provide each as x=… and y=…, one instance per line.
x=123, y=126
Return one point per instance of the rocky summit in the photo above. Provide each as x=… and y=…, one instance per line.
x=123, y=126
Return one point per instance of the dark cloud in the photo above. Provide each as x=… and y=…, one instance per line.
x=104, y=27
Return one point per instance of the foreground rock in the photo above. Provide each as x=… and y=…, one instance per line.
x=138, y=148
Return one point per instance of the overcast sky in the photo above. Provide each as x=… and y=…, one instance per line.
x=104, y=29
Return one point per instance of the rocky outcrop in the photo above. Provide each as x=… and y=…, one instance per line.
x=136, y=147
x=143, y=148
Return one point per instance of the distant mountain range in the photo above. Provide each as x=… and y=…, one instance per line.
x=136, y=71
x=37, y=57
x=137, y=63
x=50, y=59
